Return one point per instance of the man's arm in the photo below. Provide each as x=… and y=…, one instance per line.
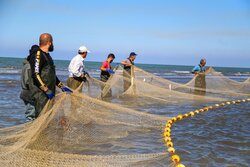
x=195, y=70
x=36, y=63
x=59, y=83
x=125, y=62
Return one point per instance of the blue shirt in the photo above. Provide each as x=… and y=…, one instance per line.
x=198, y=68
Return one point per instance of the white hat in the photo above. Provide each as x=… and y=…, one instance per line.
x=83, y=49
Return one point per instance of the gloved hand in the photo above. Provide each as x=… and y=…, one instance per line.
x=110, y=70
x=49, y=94
x=85, y=73
x=66, y=89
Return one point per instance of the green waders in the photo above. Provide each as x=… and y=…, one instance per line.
x=126, y=78
x=74, y=83
x=48, y=75
x=200, y=84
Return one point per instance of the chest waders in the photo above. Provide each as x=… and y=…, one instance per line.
x=200, y=83
x=48, y=76
x=127, y=72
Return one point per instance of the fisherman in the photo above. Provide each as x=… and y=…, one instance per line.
x=128, y=70
x=106, y=71
x=77, y=75
x=44, y=79
x=200, y=77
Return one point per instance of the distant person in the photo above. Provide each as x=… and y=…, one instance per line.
x=106, y=71
x=200, y=78
x=128, y=70
x=44, y=79
x=77, y=75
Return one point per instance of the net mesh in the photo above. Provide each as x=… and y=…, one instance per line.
x=103, y=125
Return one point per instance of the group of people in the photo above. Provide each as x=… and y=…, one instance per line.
x=39, y=79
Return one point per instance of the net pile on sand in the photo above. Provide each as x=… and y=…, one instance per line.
x=81, y=129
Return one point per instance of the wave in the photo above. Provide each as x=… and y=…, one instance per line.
x=10, y=70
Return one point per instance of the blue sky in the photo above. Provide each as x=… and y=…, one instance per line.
x=177, y=32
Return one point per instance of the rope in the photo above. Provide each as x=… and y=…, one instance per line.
x=167, y=131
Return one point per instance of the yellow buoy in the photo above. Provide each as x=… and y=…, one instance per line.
x=222, y=104
x=243, y=100
x=248, y=99
x=170, y=121
x=185, y=115
x=174, y=119
x=179, y=117
x=216, y=105
x=180, y=165
x=169, y=125
x=166, y=134
x=191, y=113
x=238, y=101
x=169, y=144
x=167, y=130
x=205, y=109
x=233, y=102
x=228, y=102
x=210, y=107
x=197, y=111
x=175, y=158
x=171, y=150
x=167, y=139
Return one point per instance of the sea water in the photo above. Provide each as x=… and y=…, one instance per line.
x=216, y=138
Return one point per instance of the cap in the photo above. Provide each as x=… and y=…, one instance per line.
x=83, y=49
x=133, y=54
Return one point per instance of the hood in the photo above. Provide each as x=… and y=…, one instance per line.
x=33, y=50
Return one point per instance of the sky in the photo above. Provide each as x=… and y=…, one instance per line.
x=176, y=32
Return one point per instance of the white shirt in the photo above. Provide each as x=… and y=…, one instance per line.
x=76, y=66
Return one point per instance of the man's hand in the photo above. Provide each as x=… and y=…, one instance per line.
x=85, y=74
x=66, y=89
x=110, y=70
x=50, y=95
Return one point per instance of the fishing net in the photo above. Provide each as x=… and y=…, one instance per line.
x=82, y=131
x=145, y=89
x=213, y=83
x=108, y=123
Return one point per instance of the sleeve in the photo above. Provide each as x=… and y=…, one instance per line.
x=196, y=69
x=127, y=62
x=36, y=62
x=58, y=83
x=105, y=64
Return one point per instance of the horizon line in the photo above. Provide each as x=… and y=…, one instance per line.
x=142, y=63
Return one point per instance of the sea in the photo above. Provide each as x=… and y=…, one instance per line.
x=220, y=138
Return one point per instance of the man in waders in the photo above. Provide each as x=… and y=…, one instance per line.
x=200, y=77
x=44, y=79
x=128, y=71
x=77, y=75
x=106, y=70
